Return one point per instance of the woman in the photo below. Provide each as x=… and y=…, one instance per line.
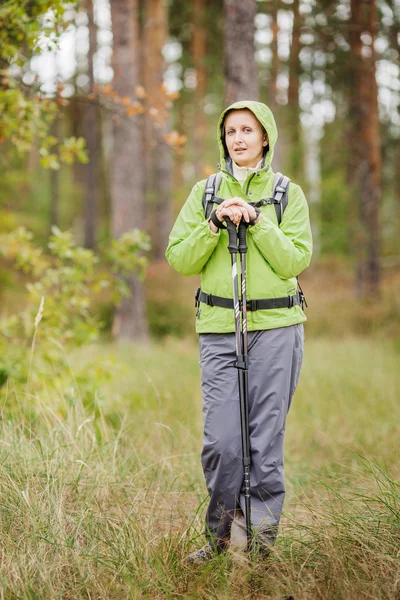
x=247, y=136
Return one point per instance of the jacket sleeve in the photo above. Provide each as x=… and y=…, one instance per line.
x=287, y=248
x=191, y=242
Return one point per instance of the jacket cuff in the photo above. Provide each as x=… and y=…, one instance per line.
x=213, y=233
x=263, y=224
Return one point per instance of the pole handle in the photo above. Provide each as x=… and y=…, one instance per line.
x=242, y=236
x=232, y=246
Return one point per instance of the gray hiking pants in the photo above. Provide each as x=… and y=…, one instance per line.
x=275, y=357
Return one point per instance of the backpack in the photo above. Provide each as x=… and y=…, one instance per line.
x=279, y=198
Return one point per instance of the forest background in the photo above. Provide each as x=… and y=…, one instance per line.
x=141, y=87
x=108, y=115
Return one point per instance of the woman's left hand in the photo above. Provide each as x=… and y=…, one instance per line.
x=246, y=209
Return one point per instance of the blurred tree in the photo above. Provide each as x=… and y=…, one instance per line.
x=269, y=82
x=199, y=49
x=179, y=18
x=26, y=114
x=273, y=91
x=127, y=178
x=241, y=78
x=295, y=146
x=366, y=155
x=157, y=123
x=93, y=141
x=55, y=184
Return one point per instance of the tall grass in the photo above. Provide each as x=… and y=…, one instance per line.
x=102, y=493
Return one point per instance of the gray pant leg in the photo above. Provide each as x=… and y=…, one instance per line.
x=222, y=447
x=274, y=367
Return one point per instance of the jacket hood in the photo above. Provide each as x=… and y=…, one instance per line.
x=266, y=118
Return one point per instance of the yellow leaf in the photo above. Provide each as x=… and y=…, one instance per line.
x=125, y=100
x=173, y=95
x=140, y=91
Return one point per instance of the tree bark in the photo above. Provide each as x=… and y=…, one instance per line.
x=296, y=161
x=158, y=152
x=127, y=177
x=241, y=81
x=366, y=163
x=273, y=89
x=199, y=45
x=55, y=183
x=91, y=121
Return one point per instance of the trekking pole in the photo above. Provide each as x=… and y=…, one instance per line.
x=241, y=356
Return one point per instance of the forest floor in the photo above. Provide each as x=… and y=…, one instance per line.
x=102, y=493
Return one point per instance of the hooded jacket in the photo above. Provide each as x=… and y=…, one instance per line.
x=275, y=255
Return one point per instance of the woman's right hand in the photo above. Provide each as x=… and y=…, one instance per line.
x=234, y=208
x=234, y=212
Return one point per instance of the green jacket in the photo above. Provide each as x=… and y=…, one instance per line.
x=275, y=256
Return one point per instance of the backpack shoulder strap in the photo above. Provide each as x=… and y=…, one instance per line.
x=210, y=191
x=280, y=194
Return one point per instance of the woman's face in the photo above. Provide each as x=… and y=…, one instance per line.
x=244, y=138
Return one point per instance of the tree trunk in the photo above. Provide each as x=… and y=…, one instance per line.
x=91, y=121
x=273, y=89
x=241, y=81
x=282, y=148
x=296, y=162
x=158, y=152
x=367, y=154
x=55, y=183
x=199, y=44
x=127, y=175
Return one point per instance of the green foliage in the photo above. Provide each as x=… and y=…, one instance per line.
x=335, y=217
x=65, y=284
x=169, y=317
x=21, y=25
x=26, y=115
x=124, y=252
x=337, y=211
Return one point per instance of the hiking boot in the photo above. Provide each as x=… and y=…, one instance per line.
x=201, y=556
x=238, y=531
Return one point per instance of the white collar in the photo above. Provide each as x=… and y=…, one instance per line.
x=241, y=173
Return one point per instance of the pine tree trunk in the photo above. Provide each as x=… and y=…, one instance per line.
x=55, y=183
x=127, y=175
x=273, y=89
x=366, y=161
x=179, y=159
x=158, y=153
x=296, y=162
x=241, y=80
x=199, y=42
x=92, y=139
x=282, y=149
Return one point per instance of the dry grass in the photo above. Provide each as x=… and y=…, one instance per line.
x=102, y=497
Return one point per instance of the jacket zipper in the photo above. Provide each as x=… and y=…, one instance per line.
x=248, y=183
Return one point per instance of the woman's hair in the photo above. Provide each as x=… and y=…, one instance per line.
x=266, y=148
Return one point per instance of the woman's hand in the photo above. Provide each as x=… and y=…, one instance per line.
x=233, y=211
x=236, y=208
